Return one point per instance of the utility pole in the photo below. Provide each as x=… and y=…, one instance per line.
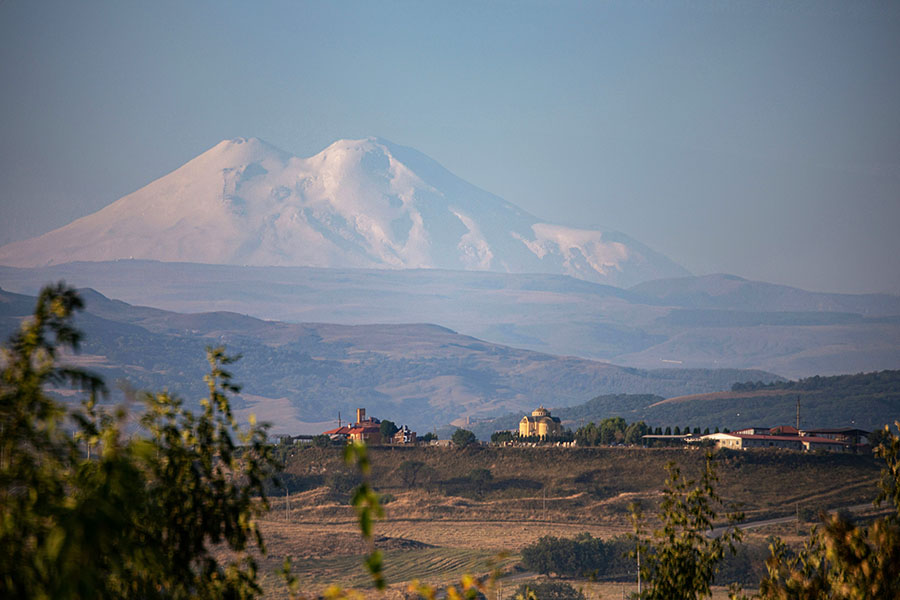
x=798, y=414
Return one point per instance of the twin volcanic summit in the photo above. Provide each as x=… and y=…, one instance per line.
x=357, y=204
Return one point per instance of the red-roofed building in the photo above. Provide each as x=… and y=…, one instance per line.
x=369, y=433
x=846, y=435
x=337, y=431
x=784, y=430
x=814, y=442
x=368, y=430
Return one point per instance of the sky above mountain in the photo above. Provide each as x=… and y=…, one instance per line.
x=755, y=138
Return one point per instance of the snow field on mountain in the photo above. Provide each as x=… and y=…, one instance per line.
x=359, y=203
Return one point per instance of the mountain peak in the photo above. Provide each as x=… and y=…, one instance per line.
x=364, y=203
x=376, y=149
x=242, y=151
x=366, y=143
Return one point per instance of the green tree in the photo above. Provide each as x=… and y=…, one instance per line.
x=678, y=560
x=612, y=430
x=587, y=435
x=428, y=437
x=387, y=430
x=635, y=432
x=463, y=437
x=102, y=515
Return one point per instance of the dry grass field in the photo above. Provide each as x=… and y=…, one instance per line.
x=442, y=527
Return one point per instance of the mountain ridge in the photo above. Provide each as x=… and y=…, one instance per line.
x=299, y=375
x=721, y=290
x=556, y=314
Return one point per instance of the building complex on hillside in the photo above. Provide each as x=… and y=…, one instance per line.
x=790, y=438
x=368, y=430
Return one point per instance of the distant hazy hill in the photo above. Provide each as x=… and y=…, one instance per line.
x=729, y=292
x=358, y=203
x=863, y=400
x=704, y=322
x=293, y=374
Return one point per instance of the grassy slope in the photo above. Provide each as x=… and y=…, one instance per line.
x=585, y=484
x=444, y=527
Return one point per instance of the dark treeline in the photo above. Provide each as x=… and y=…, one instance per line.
x=615, y=430
x=880, y=382
x=582, y=556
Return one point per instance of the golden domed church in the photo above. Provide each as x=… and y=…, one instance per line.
x=539, y=424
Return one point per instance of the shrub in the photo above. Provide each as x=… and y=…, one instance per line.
x=342, y=482
x=481, y=479
x=547, y=590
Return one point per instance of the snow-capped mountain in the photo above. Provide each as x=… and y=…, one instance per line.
x=358, y=203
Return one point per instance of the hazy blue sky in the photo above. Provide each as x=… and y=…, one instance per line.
x=754, y=138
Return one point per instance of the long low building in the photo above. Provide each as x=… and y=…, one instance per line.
x=743, y=441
